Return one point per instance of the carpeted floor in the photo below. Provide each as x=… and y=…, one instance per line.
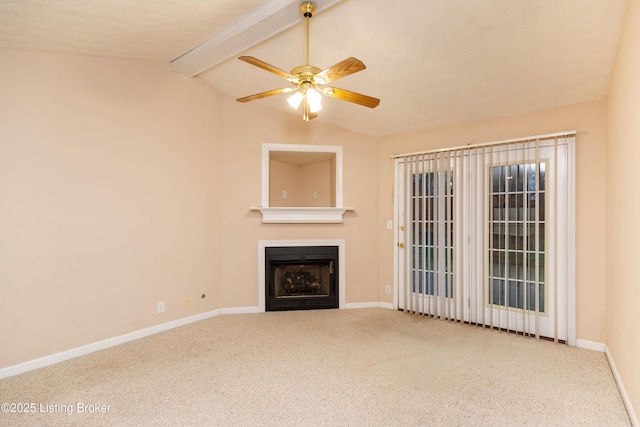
x=367, y=367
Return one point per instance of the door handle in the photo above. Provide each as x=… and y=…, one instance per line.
x=401, y=245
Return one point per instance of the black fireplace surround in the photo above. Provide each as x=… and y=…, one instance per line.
x=301, y=278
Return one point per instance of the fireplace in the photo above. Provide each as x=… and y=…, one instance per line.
x=301, y=277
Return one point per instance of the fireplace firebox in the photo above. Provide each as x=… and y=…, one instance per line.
x=301, y=278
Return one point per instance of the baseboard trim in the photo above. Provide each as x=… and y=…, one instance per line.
x=52, y=359
x=623, y=391
x=240, y=310
x=372, y=304
x=590, y=345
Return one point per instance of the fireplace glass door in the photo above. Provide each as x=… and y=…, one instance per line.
x=302, y=277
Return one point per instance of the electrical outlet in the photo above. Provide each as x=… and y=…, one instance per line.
x=186, y=301
x=160, y=307
x=285, y=194
x=387, y=289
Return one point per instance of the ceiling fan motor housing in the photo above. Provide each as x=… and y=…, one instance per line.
x=307, y=9
x=307, y=73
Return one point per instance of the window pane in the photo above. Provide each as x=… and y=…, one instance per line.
x=516, y=205
x=498, y=179
x=513, y=172
x=428, y=242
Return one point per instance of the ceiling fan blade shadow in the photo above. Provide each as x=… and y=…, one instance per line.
x=347, y=95
x=341, y=69
x=265, y=94
x=268, y=67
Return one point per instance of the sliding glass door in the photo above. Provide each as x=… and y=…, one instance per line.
x=484, y=235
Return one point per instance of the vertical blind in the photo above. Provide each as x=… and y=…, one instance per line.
x=485, y=235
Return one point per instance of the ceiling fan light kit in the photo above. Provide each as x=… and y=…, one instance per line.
x=309, y=81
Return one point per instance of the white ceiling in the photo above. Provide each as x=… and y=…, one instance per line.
x=431, y=62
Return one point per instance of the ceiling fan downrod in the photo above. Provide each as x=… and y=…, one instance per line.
x=307, y=9
x=307, y=71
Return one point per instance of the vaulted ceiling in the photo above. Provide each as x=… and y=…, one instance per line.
x=431, y=62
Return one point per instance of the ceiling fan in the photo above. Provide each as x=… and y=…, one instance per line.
x=310, y=82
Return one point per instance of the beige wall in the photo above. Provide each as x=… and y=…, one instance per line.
x=589, y=121
x=284, y=177
x=242, y=228
x=623, y=207
x=301, y=182
x=123, y=184
x=316, y=179
x=106, y=199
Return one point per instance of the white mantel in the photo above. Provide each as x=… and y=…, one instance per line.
x=280, y=215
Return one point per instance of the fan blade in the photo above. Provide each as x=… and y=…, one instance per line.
x=265, y=94
x=341, y=69
x=268, y=67
x=347, y=95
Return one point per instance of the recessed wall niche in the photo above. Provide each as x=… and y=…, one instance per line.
x=302, y=179
x=301, y=183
